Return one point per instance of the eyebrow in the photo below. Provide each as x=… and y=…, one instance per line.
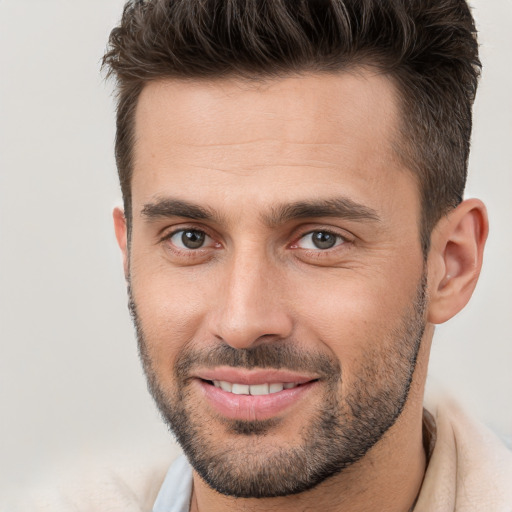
x=340, y=207
x=170, y=207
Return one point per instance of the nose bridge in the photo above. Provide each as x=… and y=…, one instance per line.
x=252, y=304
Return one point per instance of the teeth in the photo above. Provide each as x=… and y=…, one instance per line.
x=240, y=389
x=275, y=388
x=255, y=389
x=259, y=389
x=226, y=386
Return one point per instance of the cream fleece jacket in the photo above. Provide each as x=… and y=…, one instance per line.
x=470, y=469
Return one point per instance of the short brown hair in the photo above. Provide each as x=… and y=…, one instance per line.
x=428, y=47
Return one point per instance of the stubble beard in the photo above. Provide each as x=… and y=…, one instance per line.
x=340, y=432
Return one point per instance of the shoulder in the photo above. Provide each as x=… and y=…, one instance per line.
x=120, y=487
x=470, y=468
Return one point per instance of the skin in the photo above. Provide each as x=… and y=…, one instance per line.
x=241, y=150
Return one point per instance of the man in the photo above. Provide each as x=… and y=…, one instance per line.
x=293, y=229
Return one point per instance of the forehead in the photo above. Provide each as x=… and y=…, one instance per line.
x=326, y=108
x=301, y=134
x=195, y=104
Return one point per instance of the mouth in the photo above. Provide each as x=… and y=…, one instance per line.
x=253, y=395
x=266, y=388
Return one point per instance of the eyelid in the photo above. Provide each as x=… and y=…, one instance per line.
x=345, y=236
x=170, y=231
x=338, y=240
x=168, y=235
x=339, y=233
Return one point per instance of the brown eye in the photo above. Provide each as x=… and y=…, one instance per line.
x=320, y=240
x=189, y=239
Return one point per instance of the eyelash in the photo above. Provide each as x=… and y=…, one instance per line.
x=341, y=241
x=188, y=252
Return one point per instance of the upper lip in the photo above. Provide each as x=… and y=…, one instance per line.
x=252, y=377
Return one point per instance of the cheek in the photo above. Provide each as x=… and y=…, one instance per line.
x=356, y=315
x=170, y=310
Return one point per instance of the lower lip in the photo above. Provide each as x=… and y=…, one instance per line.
x=251, y=408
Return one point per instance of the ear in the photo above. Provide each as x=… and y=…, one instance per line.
x=455, y=259
x=121, y=236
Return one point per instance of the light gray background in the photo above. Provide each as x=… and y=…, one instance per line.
x=70, y=383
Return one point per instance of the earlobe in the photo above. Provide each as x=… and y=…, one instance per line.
x=121, y=236
x=455, y=259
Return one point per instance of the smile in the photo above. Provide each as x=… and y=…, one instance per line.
x=254, y=389
x=253, y=395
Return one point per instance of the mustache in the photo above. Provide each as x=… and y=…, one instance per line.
x=277, y=356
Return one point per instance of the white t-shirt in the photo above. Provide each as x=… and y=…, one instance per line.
x=174, y=495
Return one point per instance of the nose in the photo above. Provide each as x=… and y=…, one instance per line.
x=251, y=308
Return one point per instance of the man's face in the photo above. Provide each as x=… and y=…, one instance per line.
x=276, y=274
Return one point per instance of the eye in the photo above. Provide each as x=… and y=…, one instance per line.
x=190, y=239
x=320, y=240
